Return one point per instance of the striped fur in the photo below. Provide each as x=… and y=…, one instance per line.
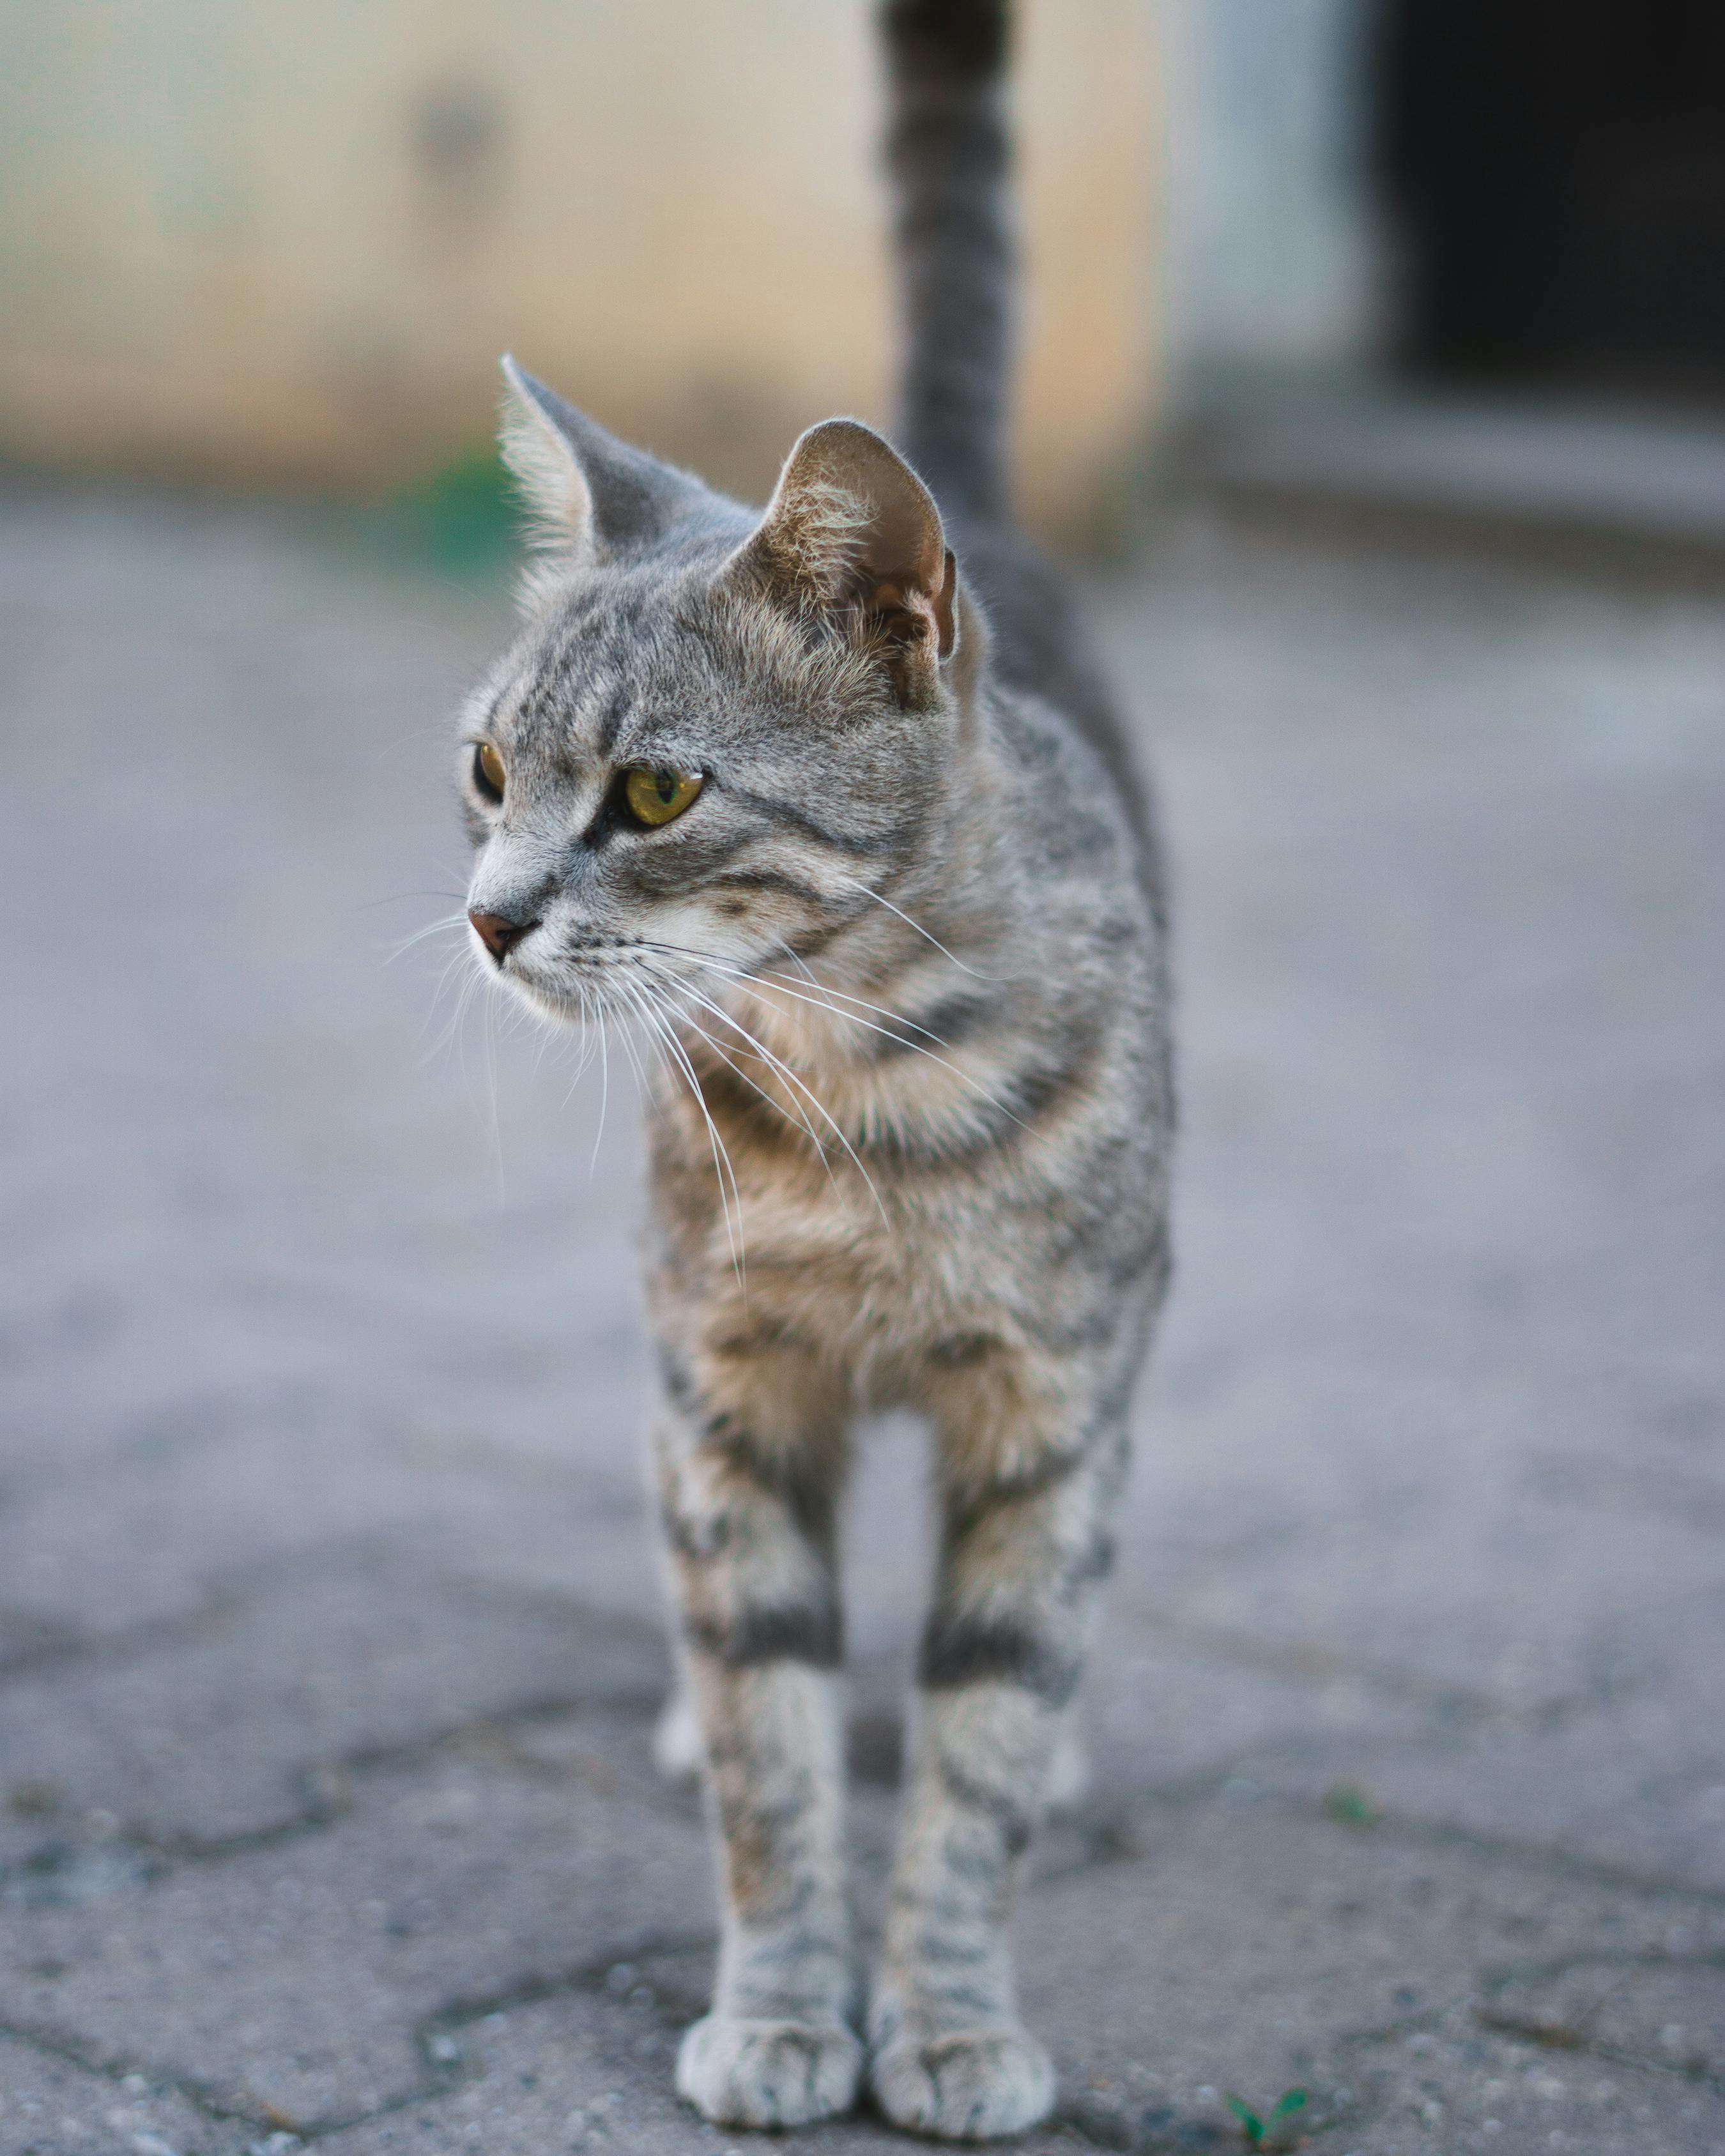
x=900, y=966
x=947, y=158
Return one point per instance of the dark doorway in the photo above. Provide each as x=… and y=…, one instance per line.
x=1555, y=171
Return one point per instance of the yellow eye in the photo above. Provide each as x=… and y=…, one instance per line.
x=489, y=775
x=657, y=797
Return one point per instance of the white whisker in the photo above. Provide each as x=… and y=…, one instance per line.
x=756, y=983
x=794, y=1112
x=438, y=994
x=432, y=928
x=791, y=1078
x=721, y=1157
x=593, y=1166
x=868, y=891
x=491, y=1010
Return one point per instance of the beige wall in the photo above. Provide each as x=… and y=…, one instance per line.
x=283, y=241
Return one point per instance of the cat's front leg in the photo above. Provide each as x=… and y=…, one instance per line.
x=748, y=1490
x=1021, y=1553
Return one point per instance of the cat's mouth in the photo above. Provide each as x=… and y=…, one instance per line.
x=610, y=977
x=569, y=987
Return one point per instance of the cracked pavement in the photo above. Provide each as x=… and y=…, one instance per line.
x=329, y=1624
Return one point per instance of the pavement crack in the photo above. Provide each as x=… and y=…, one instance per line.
x=440, y=2073
x=1579, y=2034
x=64, y=1647
x=591, y=1975
x=331, y=1786
x=67, y=2050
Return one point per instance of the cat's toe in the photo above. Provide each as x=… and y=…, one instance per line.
x=767, y=2073
x=966, y=2084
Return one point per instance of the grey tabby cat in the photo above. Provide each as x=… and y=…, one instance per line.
x=841, y=820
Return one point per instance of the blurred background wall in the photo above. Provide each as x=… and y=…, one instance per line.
x=283, y=242
x=281, y=245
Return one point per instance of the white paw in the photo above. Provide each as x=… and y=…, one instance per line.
x=767, y=2073
x=678, y=1751
x=967, y=2085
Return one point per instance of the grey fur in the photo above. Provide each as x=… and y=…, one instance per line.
x=902, y=959
x=948, y=154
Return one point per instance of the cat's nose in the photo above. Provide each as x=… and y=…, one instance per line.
x=500, y=934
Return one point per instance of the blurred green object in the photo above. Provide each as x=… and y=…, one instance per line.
x=462, y=520
x=1350, y=1805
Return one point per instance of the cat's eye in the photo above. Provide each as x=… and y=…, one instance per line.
x=658, y=797
x=488, y=775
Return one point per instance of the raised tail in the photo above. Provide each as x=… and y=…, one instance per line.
x=948, y=156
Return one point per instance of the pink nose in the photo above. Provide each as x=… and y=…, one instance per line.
x=500, y=934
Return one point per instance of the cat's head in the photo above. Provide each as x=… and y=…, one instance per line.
x=720, y=730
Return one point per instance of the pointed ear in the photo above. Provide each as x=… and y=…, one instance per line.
x=589, y=495
x=852, y=533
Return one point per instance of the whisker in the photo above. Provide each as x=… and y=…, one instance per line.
x=455, y=1034
x=401, y=898
x=823, y=995
x=643, y=1085
x=794, y=1112
x=823, y=989
x=491, y=1005
x=747, y=976
x=593, y=1165
x=438, y=994
x=755, y=983
x=589, y=1048
x=729, y=970
x=721, y=1157
x=858, y=884
x=580, y=1056
x=652, y=1040
x=791, y=1078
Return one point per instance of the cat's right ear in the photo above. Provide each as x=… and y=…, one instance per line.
x=852, y=536
x=589, y=496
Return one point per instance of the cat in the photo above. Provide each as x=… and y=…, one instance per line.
x=829, y=802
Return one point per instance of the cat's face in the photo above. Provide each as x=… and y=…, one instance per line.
x=717, y=737
x=703, y=793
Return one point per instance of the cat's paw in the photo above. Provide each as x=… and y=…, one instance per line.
x=767, y=2073
x=966, y=2084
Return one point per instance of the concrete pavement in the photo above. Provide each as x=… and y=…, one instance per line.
x=329, y=1631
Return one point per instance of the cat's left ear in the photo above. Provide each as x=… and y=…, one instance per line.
x=851, y=533
x=591, y=496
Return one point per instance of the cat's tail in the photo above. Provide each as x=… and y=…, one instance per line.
x=948, y=156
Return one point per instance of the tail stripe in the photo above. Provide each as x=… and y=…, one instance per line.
x=948, y=156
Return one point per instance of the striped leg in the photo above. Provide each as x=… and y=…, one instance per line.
x=1001, y=1658
x=749, y=1497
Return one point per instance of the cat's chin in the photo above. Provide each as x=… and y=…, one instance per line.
x=584, y=1002
x=560, y=1006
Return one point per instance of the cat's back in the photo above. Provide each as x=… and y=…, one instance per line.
x=1042, y=649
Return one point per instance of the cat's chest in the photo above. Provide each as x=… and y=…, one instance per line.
x=863, y=1257
x=937, y=1230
